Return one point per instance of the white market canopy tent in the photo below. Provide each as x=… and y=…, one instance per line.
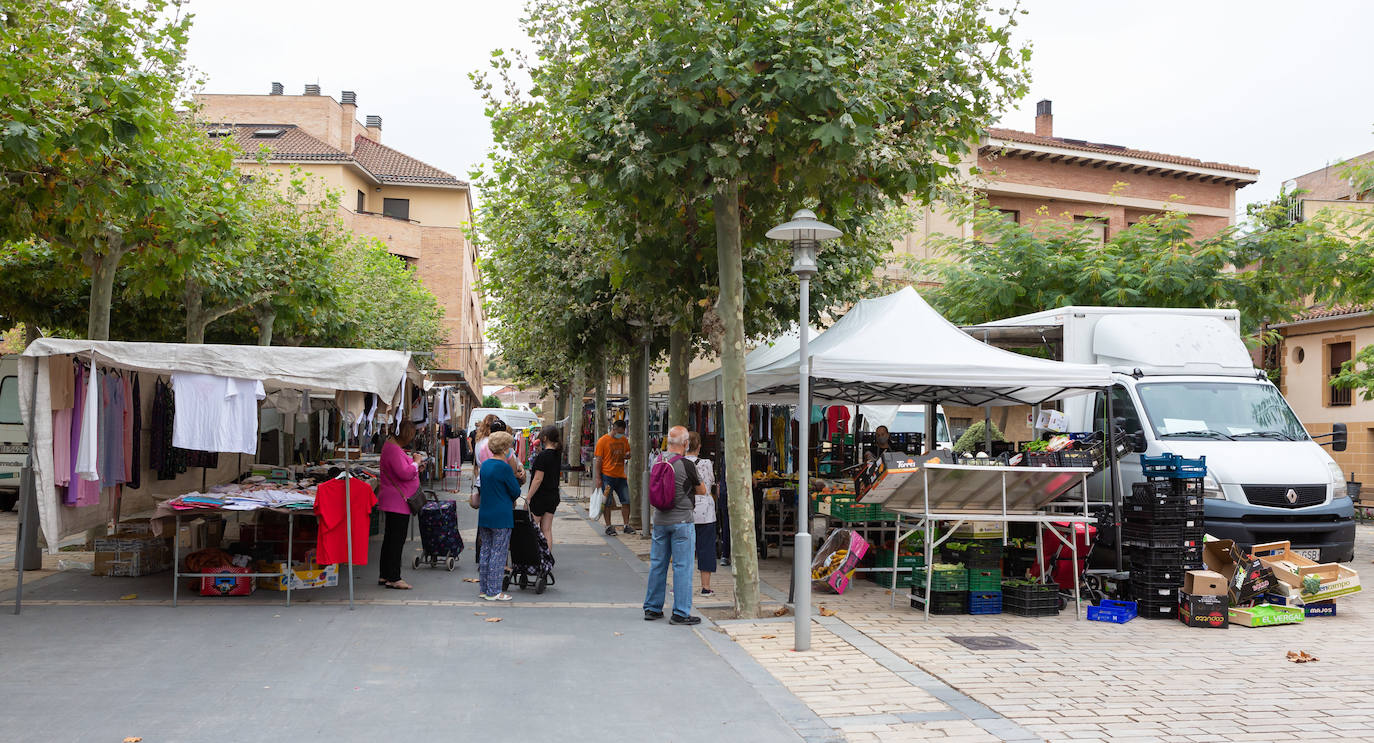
x=897, y=349
x=707, y=387
x=278, y=367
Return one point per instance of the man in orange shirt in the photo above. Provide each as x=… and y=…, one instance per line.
x=608, y=469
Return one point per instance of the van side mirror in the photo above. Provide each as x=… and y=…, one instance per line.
x=1338, y=437
x=1134, y=439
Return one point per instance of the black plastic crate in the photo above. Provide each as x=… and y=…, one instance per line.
x=982, y=554
x=1079, y=457
x=941, y=602
x=1174, y=556
x=1158, y=574
x=1023, y=610
x=1163, y=523
x=1186, y=509
x=1157, y=610
x=1178, y=533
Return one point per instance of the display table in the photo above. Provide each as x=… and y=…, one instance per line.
x=923, y=494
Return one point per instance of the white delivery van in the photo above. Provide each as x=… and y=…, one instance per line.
x=907, y=419
x=1186, y=384
x=14, y=445
x=513, y=418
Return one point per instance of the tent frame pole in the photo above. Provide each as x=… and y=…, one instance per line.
x=26, y=493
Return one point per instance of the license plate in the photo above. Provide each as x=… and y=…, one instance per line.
x=1313, y=555
x=14, y=448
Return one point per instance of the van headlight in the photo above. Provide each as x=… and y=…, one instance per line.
x=1211, y=488
x=1337, y=476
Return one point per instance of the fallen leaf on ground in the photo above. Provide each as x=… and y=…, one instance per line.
x=768, y=637
x=470, y=580
x=618, y=634
x=781, y=611
x=133, y=740
x=493, y=619
x=128, y=597
x=479, y=614
x=1301, y=657
x=827, y=612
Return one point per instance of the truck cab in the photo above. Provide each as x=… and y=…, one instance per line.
x=14, y=445
x=1184, y=383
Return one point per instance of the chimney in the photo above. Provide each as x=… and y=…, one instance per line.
x=312, y=89
x=1044, y=119
x=278, y=88
x=348, y=98
x=374, y=128
x=348, y=119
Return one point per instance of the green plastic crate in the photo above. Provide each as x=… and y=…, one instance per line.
x=904, y=580
x=944, y=580
x=982, y=579
x=855, y=512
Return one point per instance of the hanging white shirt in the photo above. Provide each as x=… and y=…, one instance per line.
x=87, y=460
x=217, y=414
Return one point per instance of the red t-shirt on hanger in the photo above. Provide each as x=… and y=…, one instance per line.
x=332, y=548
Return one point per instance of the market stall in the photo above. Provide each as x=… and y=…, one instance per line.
x=896, y=349
x=221, y=422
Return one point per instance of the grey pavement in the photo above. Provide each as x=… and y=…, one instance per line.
x=577, y=663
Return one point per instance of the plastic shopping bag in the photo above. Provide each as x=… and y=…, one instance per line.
x=598, y=501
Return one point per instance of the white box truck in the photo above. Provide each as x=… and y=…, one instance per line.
x=1186, y=384
x=14, y=444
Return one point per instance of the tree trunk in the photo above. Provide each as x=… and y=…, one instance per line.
x=103, y=269
x=639, y=437
x=679, y=367
x=31, y=333
x=194, y=298
x=266, y=317
x=738, y=477
x=579, y=386
x=601, y=382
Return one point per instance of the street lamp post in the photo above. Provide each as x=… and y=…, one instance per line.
x=805, y=233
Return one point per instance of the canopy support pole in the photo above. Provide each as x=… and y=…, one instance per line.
x=987, y=429
x=1114, y=474
x=930, y=443
x=26, y=494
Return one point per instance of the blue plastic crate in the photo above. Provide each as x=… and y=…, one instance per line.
x=1119, y=612
x=985, y=602
x=1173, y=466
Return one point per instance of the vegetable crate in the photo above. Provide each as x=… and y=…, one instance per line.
x=1173, y=467
x=985, y=602
x=1176, y=557
x=979, y=553
x=1151, y=609
x=943, y=579
x=884, y=579
x=884, y=559
x=985, y=580
x=1029, y=599
x=1117, y=612
x=855, y=512
x=941, y=602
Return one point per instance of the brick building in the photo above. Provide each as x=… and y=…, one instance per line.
x=1316, y=343
x=1038, y=176
x=418, y=210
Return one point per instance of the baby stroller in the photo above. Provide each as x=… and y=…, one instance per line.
x=531, y=562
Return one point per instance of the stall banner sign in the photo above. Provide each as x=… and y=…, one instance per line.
x=1052, y=420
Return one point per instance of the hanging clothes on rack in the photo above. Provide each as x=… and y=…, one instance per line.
x=167, y=460
x=136, y=445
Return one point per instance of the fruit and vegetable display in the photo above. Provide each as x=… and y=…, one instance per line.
x=832, y=563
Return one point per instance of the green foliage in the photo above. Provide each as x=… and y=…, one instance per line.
x=492, y=401
x=381, y=303
x=975, y=437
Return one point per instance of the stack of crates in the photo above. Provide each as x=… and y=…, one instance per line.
x=1162, y=529
x=948, y=590
x=1026, y=598
x=983, y=559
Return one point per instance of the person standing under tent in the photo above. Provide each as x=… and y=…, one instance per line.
x=704, y=514
x=496, y=516
x=673, y=535
x=547, y=469
x=400, y=476
x=608, y=470
x=880, y=445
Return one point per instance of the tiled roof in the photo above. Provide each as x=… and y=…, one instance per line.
x=291, y=144
x=1111, y=149
x=1321, y=312
x=391, y=166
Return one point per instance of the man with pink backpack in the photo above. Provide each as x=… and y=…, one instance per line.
x=673, y=488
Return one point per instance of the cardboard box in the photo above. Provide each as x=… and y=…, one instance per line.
x=980, y=530
x=1265, y=615
x=1204, y=610
x=1246, y=577
x=304, y=576
x=1204, y=583
x=1292, y=569
x=1319, y=609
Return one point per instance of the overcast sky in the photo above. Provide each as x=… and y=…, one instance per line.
x=1279, y=86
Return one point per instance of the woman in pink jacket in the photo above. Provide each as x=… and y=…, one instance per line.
x=400, y=479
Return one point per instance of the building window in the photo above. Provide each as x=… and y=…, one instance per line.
x=1010, y=215
x=362, y=202
x=396, y=208
x=1337, y=354
x=1097, y=226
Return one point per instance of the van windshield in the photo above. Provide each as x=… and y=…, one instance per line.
x=1235, y=411
x=9, y=400
x=915, y=422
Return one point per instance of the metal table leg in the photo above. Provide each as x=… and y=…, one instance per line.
x=176, y=557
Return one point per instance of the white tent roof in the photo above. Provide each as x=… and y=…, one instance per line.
x=707, y=386
x=277, y=367
x=898, y=349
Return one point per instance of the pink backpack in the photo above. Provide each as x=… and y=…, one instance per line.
x=663, y=484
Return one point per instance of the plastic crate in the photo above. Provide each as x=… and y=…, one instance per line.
x=1023, y=610
x=941, y=602
x=1160, y=575
x=1176, y=556
x=1117, y=612
x=943, y=580
x=1149, y=609
x=1077, y=458
x=1041, y=459
x=979, y=553
x=855, y=512
x=985, y=602
x=884, y=579
x=1162, y=535
x=1173, y=466
x=1030, y=600
x=985, y=580
x=1176, y=510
